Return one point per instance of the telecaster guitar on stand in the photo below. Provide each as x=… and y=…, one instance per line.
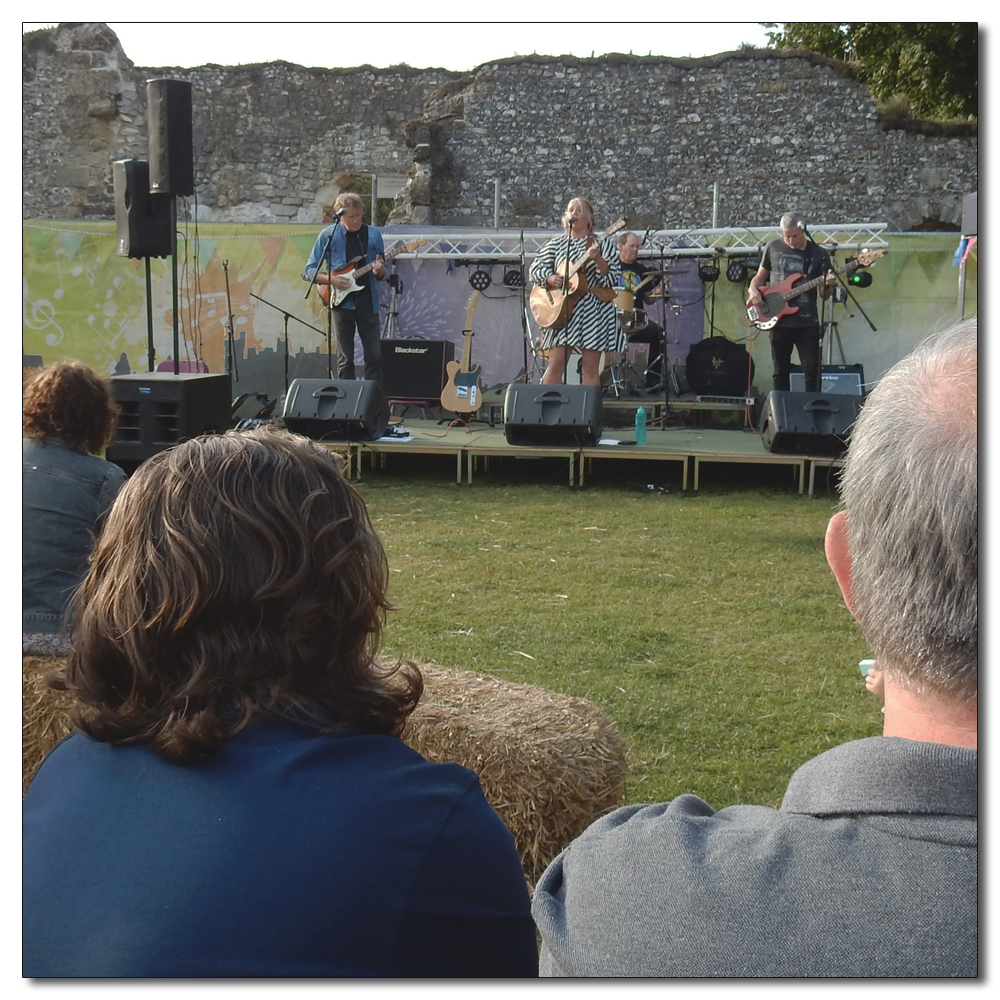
x=339, y=294
x=551, y=307
x=775, y=300
x=464, y=390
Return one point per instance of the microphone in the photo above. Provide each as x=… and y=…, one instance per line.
x=571, y=219
x=339, y=213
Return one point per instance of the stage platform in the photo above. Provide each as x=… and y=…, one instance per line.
x=473, y=445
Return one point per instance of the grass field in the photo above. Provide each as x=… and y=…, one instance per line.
x=708, y=627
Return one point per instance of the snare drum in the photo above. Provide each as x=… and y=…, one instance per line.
x=634, y=321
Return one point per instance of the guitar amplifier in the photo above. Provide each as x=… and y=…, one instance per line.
x=336, y=409
x=415, y=369
x=553, y=414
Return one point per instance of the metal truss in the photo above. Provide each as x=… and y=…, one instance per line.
x=472, y=246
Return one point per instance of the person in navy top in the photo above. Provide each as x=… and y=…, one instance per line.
x=236, y=801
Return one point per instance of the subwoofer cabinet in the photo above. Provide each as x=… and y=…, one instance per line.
x=160, y=409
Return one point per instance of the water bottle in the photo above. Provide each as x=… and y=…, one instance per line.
x=640, y=425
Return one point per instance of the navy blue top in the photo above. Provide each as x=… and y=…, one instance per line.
x=286, y=853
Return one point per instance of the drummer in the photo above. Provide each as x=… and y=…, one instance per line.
x=641, y=329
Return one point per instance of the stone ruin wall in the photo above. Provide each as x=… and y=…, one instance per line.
x=643, y=136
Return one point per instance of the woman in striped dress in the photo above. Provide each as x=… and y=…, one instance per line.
x=593, y=327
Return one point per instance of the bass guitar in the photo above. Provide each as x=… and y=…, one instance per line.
x=339, y=294
x=775, y=305
x=463, y=392
x=551, y=307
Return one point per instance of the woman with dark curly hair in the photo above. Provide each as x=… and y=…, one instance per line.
x=238, y=802
x=68, y=416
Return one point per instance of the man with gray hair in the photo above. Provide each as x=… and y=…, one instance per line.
x=794, y=253
x=869, y=867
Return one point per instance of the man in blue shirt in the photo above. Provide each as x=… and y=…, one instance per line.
x=340, y=250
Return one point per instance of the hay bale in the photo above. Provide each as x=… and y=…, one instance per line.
x=45, y=713
x=549, y=764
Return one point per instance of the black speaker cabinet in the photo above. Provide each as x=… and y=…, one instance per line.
x=142, y=220
x=808, y=422
x=160, y=409
x=553, y=414
x=336, y=409
x=415, y=369
x=717, y=366
x=171, y=137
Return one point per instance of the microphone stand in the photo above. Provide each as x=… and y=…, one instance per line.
x=525, y=326
x=329, y=310
x=287, y=315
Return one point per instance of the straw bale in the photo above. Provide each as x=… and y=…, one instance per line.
x=549, y=764
x=45, y=713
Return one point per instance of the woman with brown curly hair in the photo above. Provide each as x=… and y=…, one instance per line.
x=67, y=417
x=238, y=802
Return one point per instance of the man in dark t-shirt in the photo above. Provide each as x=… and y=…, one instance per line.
x=644, y=331
x=794, y=253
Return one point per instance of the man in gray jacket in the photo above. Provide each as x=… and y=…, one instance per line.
x=869, y=868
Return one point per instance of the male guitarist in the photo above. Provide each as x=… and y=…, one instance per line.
x=795, y=253
x=345, y=248
x=640, y=279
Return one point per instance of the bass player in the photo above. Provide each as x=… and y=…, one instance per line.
x=795, y=253
x=339, y=249
x=592, y=325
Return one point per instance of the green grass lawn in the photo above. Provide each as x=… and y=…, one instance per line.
x=709, y=627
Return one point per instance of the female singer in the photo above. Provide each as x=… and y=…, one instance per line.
x=592, y=327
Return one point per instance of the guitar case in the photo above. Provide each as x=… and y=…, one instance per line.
x=718, y=367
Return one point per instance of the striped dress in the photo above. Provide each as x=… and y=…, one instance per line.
x=592, y=325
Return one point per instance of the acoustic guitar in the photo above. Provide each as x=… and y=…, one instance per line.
x=775, y=299
x=463, y=392
x=552, y=307
x=339, y=294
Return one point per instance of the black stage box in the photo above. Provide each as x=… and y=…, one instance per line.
x=416, y=369
x=553, y=414
x=811, y=423
x=160, y=409
x=336, y=409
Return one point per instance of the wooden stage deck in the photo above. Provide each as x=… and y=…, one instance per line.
x=477, y=442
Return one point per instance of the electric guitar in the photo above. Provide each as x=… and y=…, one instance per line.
x=775, y=300
x=551, y=307
x=339, y=294
x=464, y=390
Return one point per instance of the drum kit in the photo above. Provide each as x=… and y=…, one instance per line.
x=616, y=372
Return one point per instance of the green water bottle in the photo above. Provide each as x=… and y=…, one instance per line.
x=640, y=425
